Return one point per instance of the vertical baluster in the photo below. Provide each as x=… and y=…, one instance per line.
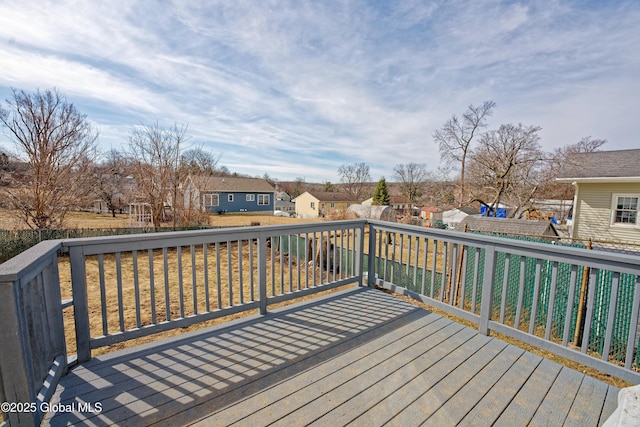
x=103, y=295
x=152, y=288
x=251, y=268
x=308, y=245
x=593, y=278
x=633, y=327
x=536, y=296
x=273, y=269
x=378, y=258
x=340, y=266
x=230, y=272
x=298, y=261
x=167, y=299
x=281, y=250
x=454, y=274
x=523, y=267
x=205, y=271
x=387, y=239
x=136, y=288
x=463, y=276
x=505, y=284
x=434, y=259
x=289, y=256
x=194, y=280
x=415, y=264
x=240, y=283
x=445, y=258
x=570, y=301
x=552, y=300
x=400, y=282
x=424, y=265
x=334, y=254
x=218, y=276
x=476, y=274
x=180, y=282
x=613, y=302
x=119, y=286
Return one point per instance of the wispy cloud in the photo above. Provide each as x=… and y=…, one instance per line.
x=297, y=88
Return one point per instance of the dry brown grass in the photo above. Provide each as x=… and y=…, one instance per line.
x=9, y=220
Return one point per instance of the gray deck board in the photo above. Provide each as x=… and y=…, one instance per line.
x=359, y=357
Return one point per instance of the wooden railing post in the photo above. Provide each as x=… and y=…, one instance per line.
x=15, y=356
x=487, y=289
x=80, y=303
x=371, y=268
x=32, y=347
x=262, y=273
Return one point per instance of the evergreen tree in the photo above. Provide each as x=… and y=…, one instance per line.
x=381, y=195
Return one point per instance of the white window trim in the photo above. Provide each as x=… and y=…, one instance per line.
x=264, y=197
x=210, y=196
x=230, y=198
x=614, y=206
x=251, y=198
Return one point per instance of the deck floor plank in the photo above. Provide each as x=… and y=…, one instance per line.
x=358, y=357
x=557, y=403
x=281, y=399
x=487, y=409
x=462, y=402
x=588, y=404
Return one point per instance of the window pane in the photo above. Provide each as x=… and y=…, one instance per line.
x=626, y=210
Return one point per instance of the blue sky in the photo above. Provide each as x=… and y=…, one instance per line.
x=298, y=88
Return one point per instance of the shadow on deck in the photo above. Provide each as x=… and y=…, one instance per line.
x=358, y=357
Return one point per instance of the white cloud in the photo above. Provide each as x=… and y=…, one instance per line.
x=306, y=86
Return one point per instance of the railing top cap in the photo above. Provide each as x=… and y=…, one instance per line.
x=19, y=265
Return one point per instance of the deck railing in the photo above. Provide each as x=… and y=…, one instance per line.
x=579, y=304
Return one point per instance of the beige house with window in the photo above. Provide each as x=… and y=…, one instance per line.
x=318, y=204
x=607, y=195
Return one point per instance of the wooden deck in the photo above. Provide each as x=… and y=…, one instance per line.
x=360, y=357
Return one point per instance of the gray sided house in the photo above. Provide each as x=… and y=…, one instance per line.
x=606, y=204
x=230, y=194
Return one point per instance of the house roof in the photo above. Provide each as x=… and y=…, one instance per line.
x=619, y=165
x=399, y=199
x=466, y=209
x=332, y=196
x=527, y=227
x=232, y=184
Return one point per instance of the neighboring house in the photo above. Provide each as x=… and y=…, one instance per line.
x=229, y=194
x=607, y=194
x=318, y=204
x=284, y=203
x=426, y=211
x=510, y=226
x=400, y=203
x=453, y=217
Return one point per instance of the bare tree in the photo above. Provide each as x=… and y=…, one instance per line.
x=59, y=145
x=457, y=134
x=356, y=179
x=110, y=182
x=507, y=167
x=155, y=153
x=564, y=191
x=412, y=178
x=198, y=161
